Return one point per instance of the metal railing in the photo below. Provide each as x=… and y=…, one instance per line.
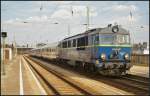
x=140, y=59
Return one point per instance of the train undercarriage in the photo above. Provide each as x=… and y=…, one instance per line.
x=111, y=69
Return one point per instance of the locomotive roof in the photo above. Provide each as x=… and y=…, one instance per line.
x=105, y=30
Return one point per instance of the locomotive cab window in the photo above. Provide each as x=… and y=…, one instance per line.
x=114, y=39
x=107, y=39
x=123, y=39
x=95, y=39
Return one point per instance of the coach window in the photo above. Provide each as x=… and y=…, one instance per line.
x=65, y=44
x=74, y=42
x=96, y=39
x=59, y=45
x=86, y=40
x=62, y=44
x=78, y=42
x=83, y=41
x=69, y=43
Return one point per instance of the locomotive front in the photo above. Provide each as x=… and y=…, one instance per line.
x=112, y=51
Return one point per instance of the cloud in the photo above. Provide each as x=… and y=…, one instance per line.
x=52, y=2
x=62, y=13
x=38, y=18
x=124, y=20
x=20, y=22
x=119, y=14
x=61, y=2
x=124, y=7
x=120, y=8
x=83, y=10
x=8, y=22
x=65, y=12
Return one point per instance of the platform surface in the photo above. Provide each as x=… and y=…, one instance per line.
x=140, y=71
x=18, y=79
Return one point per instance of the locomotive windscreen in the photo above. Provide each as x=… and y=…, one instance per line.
x=114, y=39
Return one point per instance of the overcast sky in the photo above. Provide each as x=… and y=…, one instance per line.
x=35, y=21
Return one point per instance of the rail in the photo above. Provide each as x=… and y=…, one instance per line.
x=59, y=76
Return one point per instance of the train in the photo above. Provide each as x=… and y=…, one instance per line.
x=104, y=50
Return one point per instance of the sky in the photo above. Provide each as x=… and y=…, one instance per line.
x=31, y=22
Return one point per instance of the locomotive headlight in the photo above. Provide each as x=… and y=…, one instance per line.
x=115, y=29
x=103, y=56
x=126, y=56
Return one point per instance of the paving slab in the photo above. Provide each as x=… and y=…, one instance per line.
x=140, y=71
x=9, y=81
x=18, y=79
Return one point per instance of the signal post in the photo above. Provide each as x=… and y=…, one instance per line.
x=3, y=35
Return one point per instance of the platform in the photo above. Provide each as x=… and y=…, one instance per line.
x=19, y=80
x=140, y=71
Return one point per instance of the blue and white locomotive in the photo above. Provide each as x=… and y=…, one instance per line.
x=106, y=50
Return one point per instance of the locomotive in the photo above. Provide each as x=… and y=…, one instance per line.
x=105, y=50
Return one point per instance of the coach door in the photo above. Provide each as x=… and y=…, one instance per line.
x=95, y=42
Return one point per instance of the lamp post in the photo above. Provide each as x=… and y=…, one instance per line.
x=88, y=16
x=4, y=35
x=15, y=47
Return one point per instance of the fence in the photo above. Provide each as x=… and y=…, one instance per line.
x=142, y=59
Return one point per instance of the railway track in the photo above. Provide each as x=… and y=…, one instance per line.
x=56, y=83
x=130, y=83
x=138, y=86
x=144, y=82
